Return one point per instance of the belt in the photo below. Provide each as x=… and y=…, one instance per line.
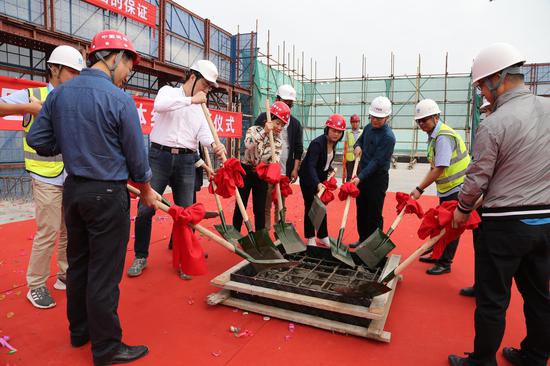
x=173, y=150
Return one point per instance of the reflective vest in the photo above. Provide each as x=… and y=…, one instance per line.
x=350, y=139
x=454, y=174
x=45, y=166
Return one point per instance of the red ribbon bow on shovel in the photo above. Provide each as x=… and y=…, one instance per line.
x=348, y=189
x=411, y=206
x=327, y=195
x=187, y=252
x=271, y=173
x=441, y=217
x=227, y=178
x=286, y=189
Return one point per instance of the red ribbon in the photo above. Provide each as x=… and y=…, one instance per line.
x=327, y=196
x=227, y=178
x=441, y=217
x=348, y=189
x=411, y=206
x=187, y=252
x=271, y=173
x=286, y=189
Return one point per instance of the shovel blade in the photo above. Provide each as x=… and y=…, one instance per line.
x=364, y=290
x=287, y=235
x=229, y=233
x=317, y=212
x=259, y=246
x=374, y=249
x=341, y=252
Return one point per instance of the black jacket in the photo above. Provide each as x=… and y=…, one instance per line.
x=295, y=140
x=312, y=171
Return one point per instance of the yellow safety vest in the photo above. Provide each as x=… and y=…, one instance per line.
x=350, y=156
x=45, y=166
x=454, y=174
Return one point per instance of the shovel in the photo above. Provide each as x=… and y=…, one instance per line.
x=337, y=248
x=318, y=209
x=258, y=263
x=285, y=232
x=375, y=288
x=256, y=243
x=227, y=231
x=378, y=244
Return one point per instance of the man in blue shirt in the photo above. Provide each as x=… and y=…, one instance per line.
x=375, y=149
x=95, y=125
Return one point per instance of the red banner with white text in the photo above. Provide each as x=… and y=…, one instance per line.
x=138, y=10
x=228, y=124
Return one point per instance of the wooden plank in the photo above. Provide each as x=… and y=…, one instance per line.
x=217, y=297
x=221, y=279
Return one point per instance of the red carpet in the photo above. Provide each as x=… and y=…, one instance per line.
x=428, y=319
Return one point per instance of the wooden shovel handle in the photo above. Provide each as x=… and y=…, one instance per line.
x=198, y=227
x=224, y=158
x=418, y=252
x=323, y=188
x=209, y=163
x=348, y=200
x=273, y=156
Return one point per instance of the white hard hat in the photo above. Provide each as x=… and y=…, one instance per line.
x=67, y=56
x=426, y=108
x=208, y=70
x=493, y=59
x=485, y=104
x=380, y=107
x=286, y=92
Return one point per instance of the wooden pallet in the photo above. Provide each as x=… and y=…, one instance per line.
x=377, y=311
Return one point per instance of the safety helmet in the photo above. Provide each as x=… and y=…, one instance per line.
x=286, y=92
x=354, y=118
x=426, y=108
x=67, y=56
x=380, y=107
x=281, y=111
x=337, y=122
x=208, y=70
x=495, y=58
x=111, y=39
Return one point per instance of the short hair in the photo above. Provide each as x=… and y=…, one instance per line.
x=106, y=54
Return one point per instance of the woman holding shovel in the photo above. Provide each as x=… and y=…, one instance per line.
x=258, y=150
x=315, y=169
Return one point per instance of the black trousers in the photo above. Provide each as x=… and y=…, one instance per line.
x=450, y=250
x=349, y=169
x=258, y=187
x=97, y=215
x=308, y=193
x=509, y=250
x=370, y=203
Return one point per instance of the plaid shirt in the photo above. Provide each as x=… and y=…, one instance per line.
x=258, y=147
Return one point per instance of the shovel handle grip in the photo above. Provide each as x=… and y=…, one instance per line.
x=322, y=190
x=418, y=252
x=396, y=221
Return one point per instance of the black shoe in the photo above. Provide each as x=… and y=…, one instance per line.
x=79, y=341
x=455, y=360
x=355, y=245
x=468, y=291
x=427, y=259
x=514, y=356
x=438, y=270
x=211, y=214
x=124, y=354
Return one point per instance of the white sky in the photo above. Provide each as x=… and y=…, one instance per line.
x=349, y=28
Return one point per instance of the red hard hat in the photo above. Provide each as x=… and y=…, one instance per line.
x=280, y=110
x=337, y=122
x=354, y=118
x=113, y=40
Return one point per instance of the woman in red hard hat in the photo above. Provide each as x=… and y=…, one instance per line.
x=258, y=150
x=315, y=169
x=95, y=125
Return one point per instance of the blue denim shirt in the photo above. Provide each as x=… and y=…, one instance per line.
x=96, y=127
x=377, y=149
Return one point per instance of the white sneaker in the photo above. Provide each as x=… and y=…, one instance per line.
x=60, y=285
x=325, y=241
x=312, y=242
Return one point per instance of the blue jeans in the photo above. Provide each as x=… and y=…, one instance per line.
x=178, y=171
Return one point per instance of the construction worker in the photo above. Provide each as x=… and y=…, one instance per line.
x=315, y=168
x=351, y=138
x=485, y=110
x=511, y=169
x=180, y=125
x=48, y=175
x=95, y=125
x=292, y=148
x=449, y=158
x=258, y=150
x=375, y=149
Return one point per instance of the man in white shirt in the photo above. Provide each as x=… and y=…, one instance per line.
x=180, y=126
